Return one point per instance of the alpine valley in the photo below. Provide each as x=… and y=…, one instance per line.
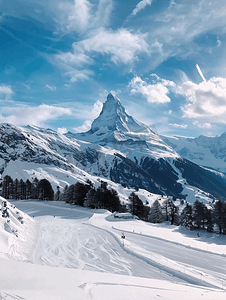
x=117, y=149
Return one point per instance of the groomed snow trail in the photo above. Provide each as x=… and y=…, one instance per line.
x=85, y=239
x=75, y=244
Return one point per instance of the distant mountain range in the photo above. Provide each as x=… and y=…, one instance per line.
x=205, y=151
x=116, y=148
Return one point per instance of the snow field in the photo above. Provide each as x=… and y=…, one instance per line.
x=79, y=255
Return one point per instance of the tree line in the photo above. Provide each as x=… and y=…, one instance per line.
x=18, y=189
x=194, y=216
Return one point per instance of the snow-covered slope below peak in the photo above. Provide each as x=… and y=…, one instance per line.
x=205, y=151
x=18, y=233
x=115, y=129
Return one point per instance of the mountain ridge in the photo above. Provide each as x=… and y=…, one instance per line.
x=139, y=159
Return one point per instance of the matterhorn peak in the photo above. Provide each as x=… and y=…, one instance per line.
x=112, y=97
x=115, y=128
x=114, y=124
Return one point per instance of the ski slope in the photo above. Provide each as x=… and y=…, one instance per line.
x=78, y=254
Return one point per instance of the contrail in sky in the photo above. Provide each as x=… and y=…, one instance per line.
x=200, y=72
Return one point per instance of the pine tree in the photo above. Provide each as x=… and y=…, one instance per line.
x=45, y=190
x=187, y=217
x=209, y=224
x=6, y=186
x=34, y=188
x=155, y=215
x=89, y=199
x=28, y=189
x=135, y=205
x=218, y=215
x=199, y=214
x=80, y=191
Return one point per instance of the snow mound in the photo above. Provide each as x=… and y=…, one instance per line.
x=17, y=232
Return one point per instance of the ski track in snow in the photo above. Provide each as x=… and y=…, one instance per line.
x=71, y=244
x=81, y=239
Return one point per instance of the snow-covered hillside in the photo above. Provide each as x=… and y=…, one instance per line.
x=78, y=254
x=18, y=233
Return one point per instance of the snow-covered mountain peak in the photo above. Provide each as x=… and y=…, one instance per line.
x=115, y=128
x=112, y=98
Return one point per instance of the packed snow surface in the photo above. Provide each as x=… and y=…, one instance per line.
x=78, y=253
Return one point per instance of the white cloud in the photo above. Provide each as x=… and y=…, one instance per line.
x=102, y=15
x=50, y=87
x=141, y=5
x=202, y=125
x=62, y=130
x=74, y=65
x=75, y=16
x=90, y=114
x=81, y=15
x=6, y=91
x=76, y=75
x=182, y=126
x=205, y=100
x=73, y=59
x=32, y=115
x=121, y=45
x=155, y=93
x=84, y=127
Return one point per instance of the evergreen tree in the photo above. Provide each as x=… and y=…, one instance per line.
x=69, y=194
x=209, y=224
x=63, y=194
x=45, y=190
x=89, y=199
x=199, y=214
x=112, y=200
x=155, y=215
x=171, y=212
x=219, y=215
x=80, y=191
x=187, y=217
x=34, y=188
x=165, y=209
x=6, y=190
x=136, y=206
x=28, y=189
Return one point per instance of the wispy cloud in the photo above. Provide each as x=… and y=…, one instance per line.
x=32, y=115
x=182, y=126
x=6, y=91
x=121, y=45
x=203, y=125
x=141, y=5
x=75, y=16
x=154, y=93
x=82, y=15
x=177, y=28
x=50, y=87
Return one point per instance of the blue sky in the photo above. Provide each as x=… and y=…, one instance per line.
x=164, y=59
